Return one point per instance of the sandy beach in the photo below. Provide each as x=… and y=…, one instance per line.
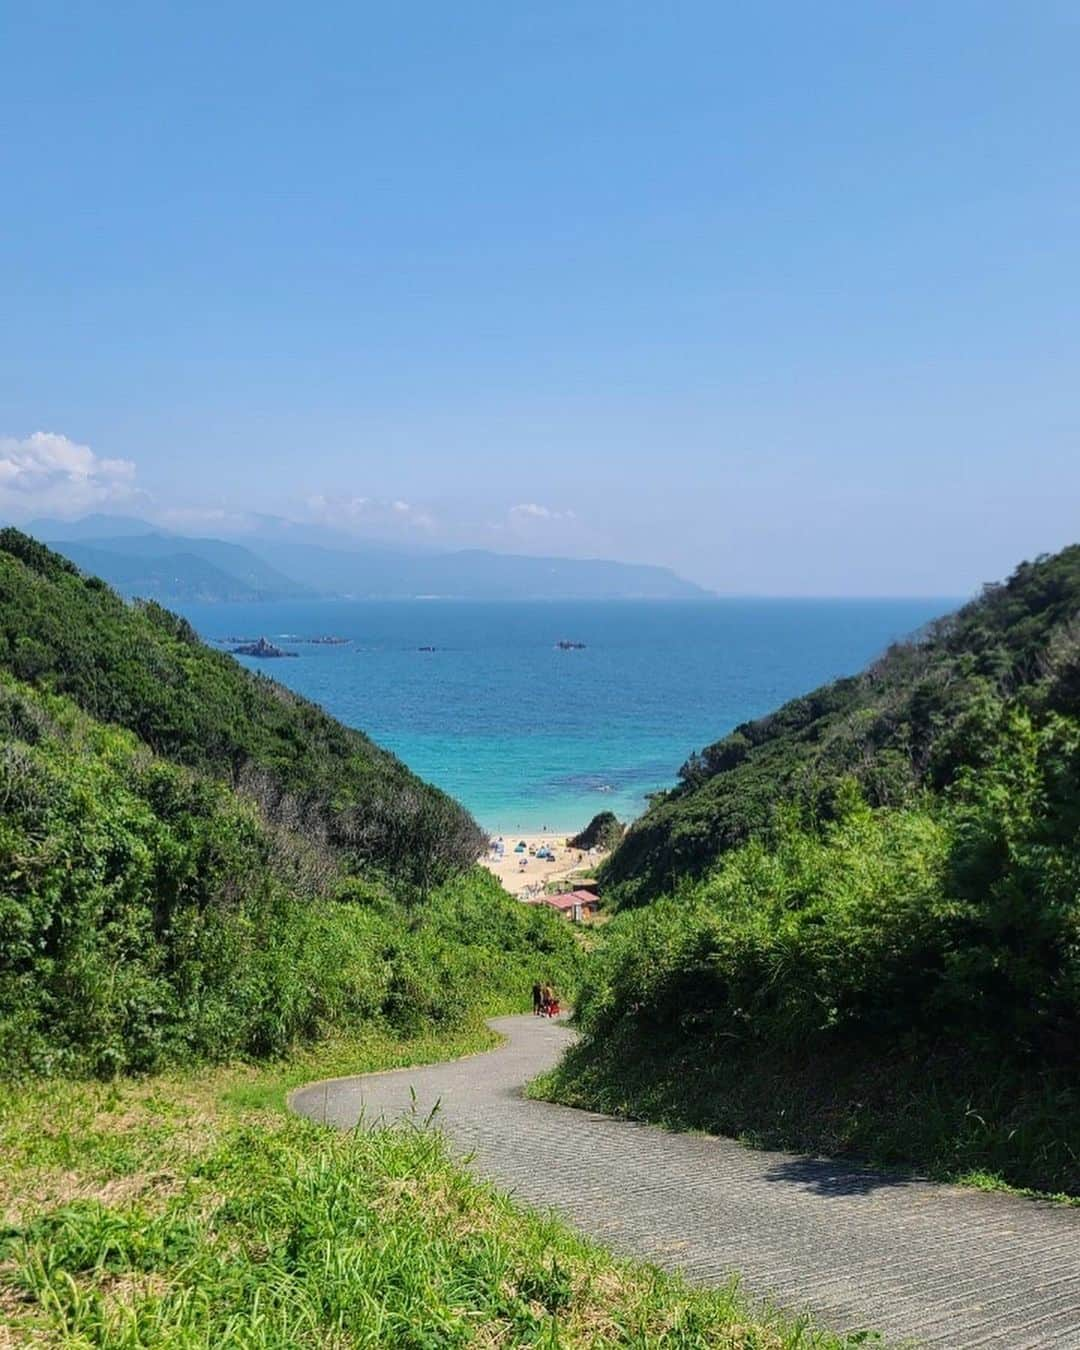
x=537, y=872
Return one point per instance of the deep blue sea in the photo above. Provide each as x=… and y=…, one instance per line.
x=528, y=736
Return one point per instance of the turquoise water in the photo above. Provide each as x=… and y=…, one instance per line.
x=528, y=736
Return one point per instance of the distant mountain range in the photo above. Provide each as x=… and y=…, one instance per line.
x=280, y=560
x=170, y=567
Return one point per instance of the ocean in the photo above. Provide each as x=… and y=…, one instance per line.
x=528, y=736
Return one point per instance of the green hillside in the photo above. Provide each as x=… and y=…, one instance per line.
x=141, y=667
x=196, y=863
x=912, y=721
x=855, y=927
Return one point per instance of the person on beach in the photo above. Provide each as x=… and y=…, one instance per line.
x=538, y=1000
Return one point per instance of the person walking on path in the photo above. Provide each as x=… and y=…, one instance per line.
x=538, y=1000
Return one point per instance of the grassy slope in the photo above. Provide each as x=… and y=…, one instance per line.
x=891, y=974
x=189, y=1211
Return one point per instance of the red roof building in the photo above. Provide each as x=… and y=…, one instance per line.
x=574, y=904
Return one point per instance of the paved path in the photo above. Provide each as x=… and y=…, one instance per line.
x=941, y=1265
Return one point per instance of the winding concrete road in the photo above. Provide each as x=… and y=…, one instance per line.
x=939, y=1265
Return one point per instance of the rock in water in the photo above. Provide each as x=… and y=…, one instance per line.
x=262, y=649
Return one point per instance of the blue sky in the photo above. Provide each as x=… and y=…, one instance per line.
x=782, y=295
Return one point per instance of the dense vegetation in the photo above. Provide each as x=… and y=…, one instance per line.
x=189, y=1211
x=149, y=914
x=604, y=832
x=889, y=961
x=195, y=864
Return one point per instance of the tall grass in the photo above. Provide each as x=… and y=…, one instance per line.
x=188, y=1211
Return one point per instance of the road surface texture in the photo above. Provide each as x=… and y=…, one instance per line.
x=936, y=1265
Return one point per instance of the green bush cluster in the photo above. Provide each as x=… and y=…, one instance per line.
x=958, y=919
x=604, y=832
x=149, y=915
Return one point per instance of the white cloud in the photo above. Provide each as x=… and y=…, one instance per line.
x=50, y=472
x=528, y=511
